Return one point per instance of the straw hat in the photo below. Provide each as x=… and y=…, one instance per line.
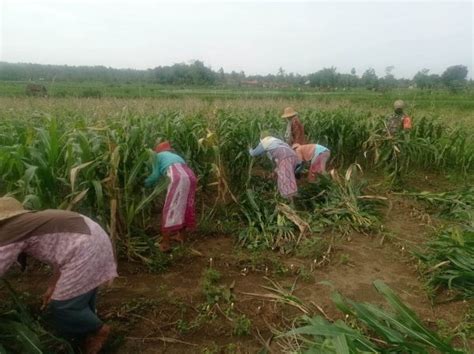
x=164, y=146
x=399, y=104
x=10, y=207
x=289, y=112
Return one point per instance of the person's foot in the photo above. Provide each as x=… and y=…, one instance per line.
x=95, y=342
x=179, y=237
x=165, y=246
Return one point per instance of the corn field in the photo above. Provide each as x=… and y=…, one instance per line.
x=97, y=166
x=95, y=162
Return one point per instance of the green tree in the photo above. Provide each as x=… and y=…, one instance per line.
x=369, y=79
x=454, y=77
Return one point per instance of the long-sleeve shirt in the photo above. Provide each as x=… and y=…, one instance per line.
x=309, y=151
x=276, y=149
x=161, y=162
x=295, y=132
x=85, y=261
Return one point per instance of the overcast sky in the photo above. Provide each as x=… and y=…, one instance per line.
x=253, y=36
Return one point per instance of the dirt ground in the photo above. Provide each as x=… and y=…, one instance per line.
x=169, y=313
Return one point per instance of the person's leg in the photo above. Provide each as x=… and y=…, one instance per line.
x=165, y=244
x=179, y=237
x=312, y=170
x=75, y=317
x=96, y=341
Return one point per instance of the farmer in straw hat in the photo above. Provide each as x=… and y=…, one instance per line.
x=284, y=158
x=399, y=120
x=179, y=210
x=81, y=255
x=294, y=133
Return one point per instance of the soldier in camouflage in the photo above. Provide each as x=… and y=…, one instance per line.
x=399, y=120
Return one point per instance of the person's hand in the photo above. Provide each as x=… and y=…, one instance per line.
x=47, y=297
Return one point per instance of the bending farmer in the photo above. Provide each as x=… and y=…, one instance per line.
x=318, y=156
x=179, y=212
x=81, y=254
x=285, y=160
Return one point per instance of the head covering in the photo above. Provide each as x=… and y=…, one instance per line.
x=289, y=112
x=265, y=133
x=295, y=146
x=269, y=142
x=164, y=146
x=10, y=207
x=398, y=104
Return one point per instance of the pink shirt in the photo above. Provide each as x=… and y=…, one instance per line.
x=85, y=261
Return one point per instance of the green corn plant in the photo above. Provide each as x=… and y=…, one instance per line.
x=94, y=160
x=20, y=332
x=377, y=331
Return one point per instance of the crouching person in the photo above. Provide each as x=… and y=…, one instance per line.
x=179, y=213
x=317, y=155
x=81, y=255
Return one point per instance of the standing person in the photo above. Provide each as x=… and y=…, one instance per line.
x=179, y=210
x=398, y=121
x=318, y=156
x=294, y=133
x=284, y=158
x=81, y=255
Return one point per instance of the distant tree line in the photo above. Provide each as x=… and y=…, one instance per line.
x=196, y=73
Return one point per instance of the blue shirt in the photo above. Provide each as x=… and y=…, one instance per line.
x=276, y=149
x=320, y=149
x=161, y=162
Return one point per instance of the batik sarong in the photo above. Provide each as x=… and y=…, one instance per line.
x=286, y=176
x=318, y=165
x=179, y=209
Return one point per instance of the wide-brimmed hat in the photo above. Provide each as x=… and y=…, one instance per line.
x=289, y=112
x=10, y=207
x=164, y=146
x=399, y=104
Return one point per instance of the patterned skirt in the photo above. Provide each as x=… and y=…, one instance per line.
x=318, y=165
x=179, y=210
x=286, y=176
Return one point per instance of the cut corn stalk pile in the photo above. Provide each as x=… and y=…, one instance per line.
x=448, y=261
x=457, y=205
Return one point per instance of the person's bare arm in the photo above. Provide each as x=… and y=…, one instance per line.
x=51, y=286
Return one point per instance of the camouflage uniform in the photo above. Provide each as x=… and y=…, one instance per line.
x=394, y=122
